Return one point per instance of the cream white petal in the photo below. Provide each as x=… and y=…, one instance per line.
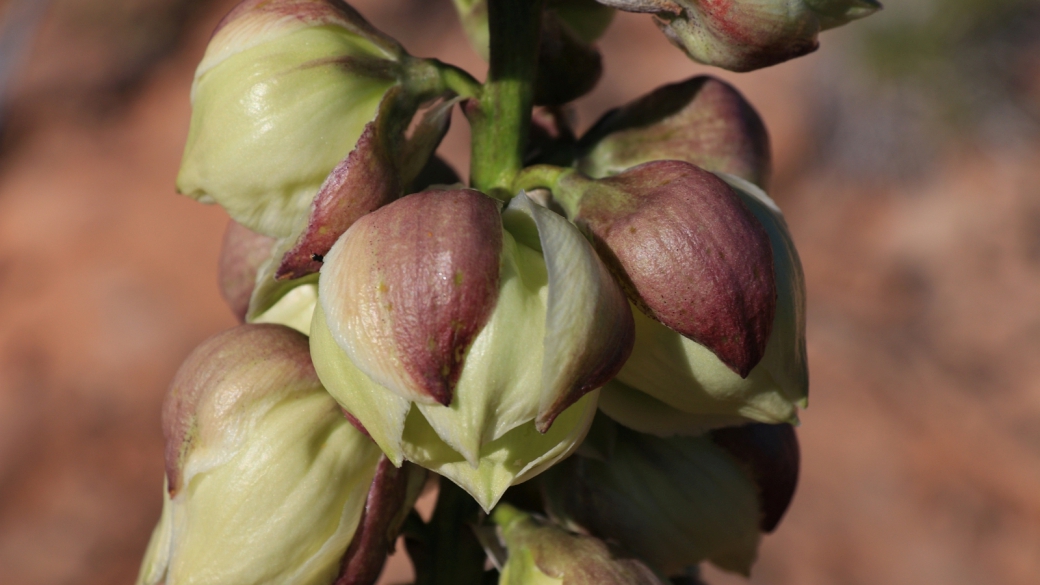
x=382, y=412
x=587, y=323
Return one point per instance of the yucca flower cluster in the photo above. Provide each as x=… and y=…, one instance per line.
x=599, y=339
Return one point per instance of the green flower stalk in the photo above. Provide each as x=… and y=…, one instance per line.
x=568, y=64
x=467, y=340
x=266, y=480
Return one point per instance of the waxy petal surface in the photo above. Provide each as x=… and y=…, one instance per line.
x=589, y=329
x=543, y=553
x=402, y=431
x=271, y=121
x=220, y=390
x=690, y=254
x=380, y=412
x=688, y=377
x=642, y=412
x=408, y=287
x=672, y=502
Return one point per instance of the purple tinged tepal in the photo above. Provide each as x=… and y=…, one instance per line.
x=688, y=251
x=703, y=121
x=247, y=421
x=672, y=385
x=743, y=35
x=467, y=339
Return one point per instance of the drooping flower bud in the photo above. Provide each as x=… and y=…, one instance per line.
x=568, y=65
x=703, y=121
x=742, y=35
x=673, y=385
x=688, y=251
x=266, y=480
x=466, y=340
x=281, y=96
x=675, y=502
x=541, y=553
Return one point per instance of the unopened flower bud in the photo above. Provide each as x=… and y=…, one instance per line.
x=541, y=553
x=703, y=121
x=281, y=96
x=469, y=340
x=688, y=251
x=266, y=480
x=673, y=385
x=742, y=35
x=672, y=502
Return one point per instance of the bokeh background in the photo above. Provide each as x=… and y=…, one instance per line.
x=907, y=160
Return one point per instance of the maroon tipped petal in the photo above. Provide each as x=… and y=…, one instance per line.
x=423, y=271
x=690, y=254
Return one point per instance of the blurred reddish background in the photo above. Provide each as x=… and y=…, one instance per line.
x=907, y=162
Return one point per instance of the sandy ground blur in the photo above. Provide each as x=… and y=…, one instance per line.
x=921, y=448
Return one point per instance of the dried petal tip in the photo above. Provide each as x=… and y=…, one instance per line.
x=408, y=287
x=689, y=253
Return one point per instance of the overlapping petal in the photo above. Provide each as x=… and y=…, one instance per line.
x=512, y=320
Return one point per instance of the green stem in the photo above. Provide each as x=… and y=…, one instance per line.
x=549, y=177
x=501, y=119
x=459, y=81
